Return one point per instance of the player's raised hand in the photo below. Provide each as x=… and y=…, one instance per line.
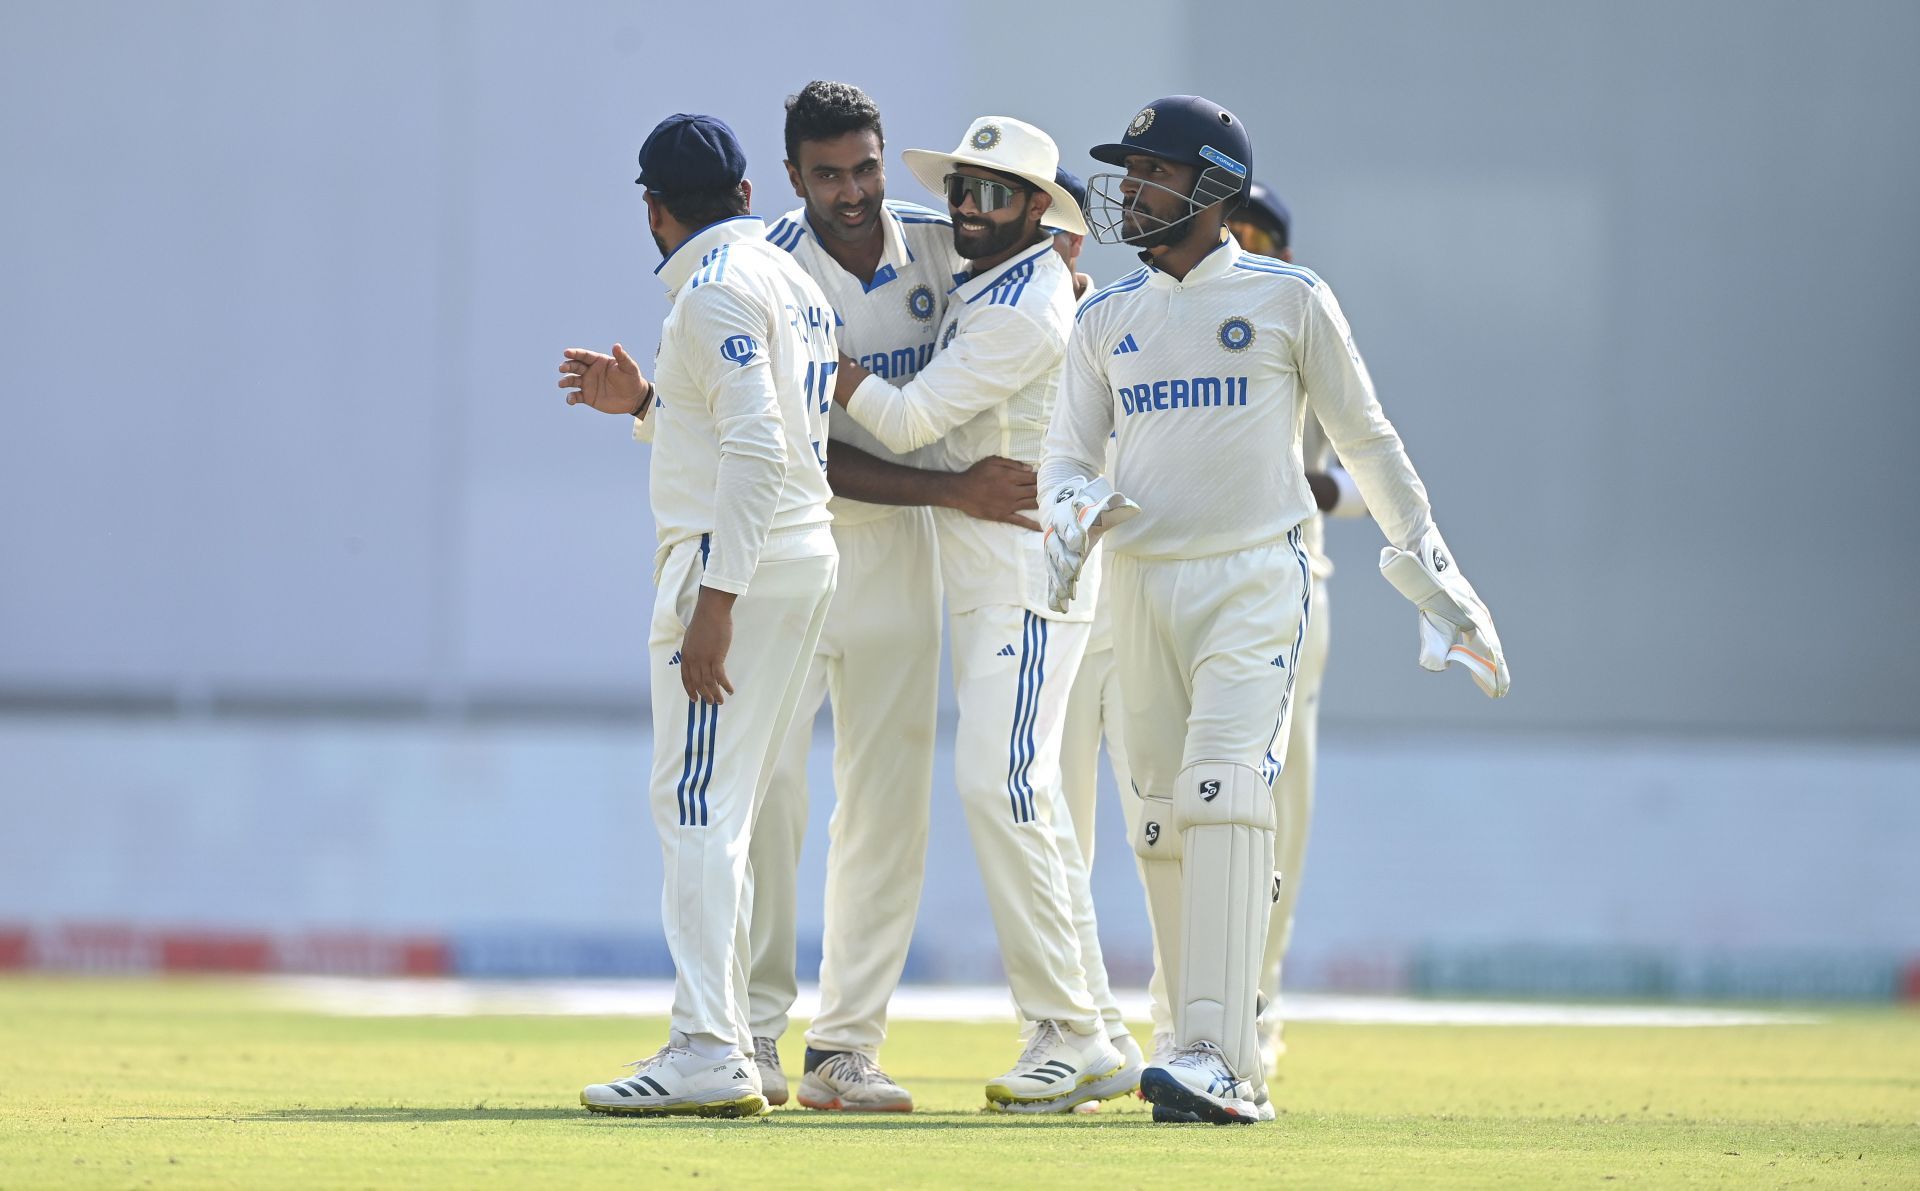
x=611, y=384
x=996, y=489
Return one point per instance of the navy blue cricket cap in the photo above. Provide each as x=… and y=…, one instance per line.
x=686, y=152
x=1188, y=129
x=1071, y=183
x=1265, y=204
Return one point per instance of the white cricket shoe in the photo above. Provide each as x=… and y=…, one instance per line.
x=849, y=1081
x=773, y=1081
x=1060, y=1069
x=1197, y=1080
x=676, y=1082
x=1128, y=1078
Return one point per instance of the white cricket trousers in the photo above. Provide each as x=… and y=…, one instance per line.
x=1206, y=651
x=1093, y=711
x=711, y=762
x=878, y=660
x=1293, y=809
x=1012, y=671
x=1293, y=798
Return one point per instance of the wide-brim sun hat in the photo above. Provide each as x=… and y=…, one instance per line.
x=1008, y=146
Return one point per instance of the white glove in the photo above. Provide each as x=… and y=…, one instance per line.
x=1079, y=511
x=1454, y=625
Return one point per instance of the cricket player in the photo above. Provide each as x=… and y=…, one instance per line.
x=742, y=579
x=990, y=390
x=1263, y=225
x=1205, y=362
x=886, y=268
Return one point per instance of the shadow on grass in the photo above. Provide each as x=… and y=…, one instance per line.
x=784, y=1120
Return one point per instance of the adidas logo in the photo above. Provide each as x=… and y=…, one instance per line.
x=1126, y=345
x=1006, y=651
x=1280, y=662
x=675, y=659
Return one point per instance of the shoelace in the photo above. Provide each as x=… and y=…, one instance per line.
x=1200, y=1056
x=1045, y=1034
x=853, y=1067
x=766, y=1053
x=660, y=1056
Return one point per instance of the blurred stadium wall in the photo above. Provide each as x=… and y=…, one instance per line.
x=321, y=618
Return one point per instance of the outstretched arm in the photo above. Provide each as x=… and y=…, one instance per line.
x=994, y=489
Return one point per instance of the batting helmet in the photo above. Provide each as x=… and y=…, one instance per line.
x=1187, y=129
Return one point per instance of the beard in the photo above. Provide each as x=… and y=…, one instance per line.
x=660, y=244
x=1145, y=228
x=826, y=219
x=998, y=237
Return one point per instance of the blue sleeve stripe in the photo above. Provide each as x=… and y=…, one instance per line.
x=1130, y=282
x=1266, y=264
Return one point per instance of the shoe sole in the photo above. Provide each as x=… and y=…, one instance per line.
x=1163, y=1089
x=745, y=1106
x=1117, y=1082
x=1167, y=1115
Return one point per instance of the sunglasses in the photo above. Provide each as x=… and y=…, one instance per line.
x=1254, y=238
x=988, y=195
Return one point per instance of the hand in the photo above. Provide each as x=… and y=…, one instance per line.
x=1077, y=513
x=995, y=489
x=846, y=379
x=703, y=652
x=1326, y=493
x=611, y=384
x=1455, y=626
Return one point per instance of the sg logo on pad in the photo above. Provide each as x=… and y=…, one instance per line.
x=1209, y=790
x=1153, y=833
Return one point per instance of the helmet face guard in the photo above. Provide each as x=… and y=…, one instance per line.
x=1108, y=207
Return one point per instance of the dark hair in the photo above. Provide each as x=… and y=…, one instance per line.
x=825, y=110
x=695, y=209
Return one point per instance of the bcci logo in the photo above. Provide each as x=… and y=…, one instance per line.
x=1141, y=122
x=985, y=137
x=740, y=349
x=1152, y=833
x=953, y=328
x=1236, y=334
x=920, y=303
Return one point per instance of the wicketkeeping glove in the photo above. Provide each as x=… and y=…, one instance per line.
x=1454, y=625
x=1077, y=514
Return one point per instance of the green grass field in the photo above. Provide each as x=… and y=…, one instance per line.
x=146, y=1083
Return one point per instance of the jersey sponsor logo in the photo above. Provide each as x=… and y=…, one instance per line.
x=1141, y=122
x=1199, y=392
x=985, y=137
x=901, y=361
x=1236, y=334
x=1210, y=789
x=741, y=349
x=920, y=303
x=1126, y=345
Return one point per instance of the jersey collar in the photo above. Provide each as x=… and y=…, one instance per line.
x=1217, y=263
x=686, y=260
x=895, y=255
x=971, y=288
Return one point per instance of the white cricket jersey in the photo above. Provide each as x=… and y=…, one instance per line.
x=1206, y=380
x=741, y=385
x=887, y=325
x=989, y=391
